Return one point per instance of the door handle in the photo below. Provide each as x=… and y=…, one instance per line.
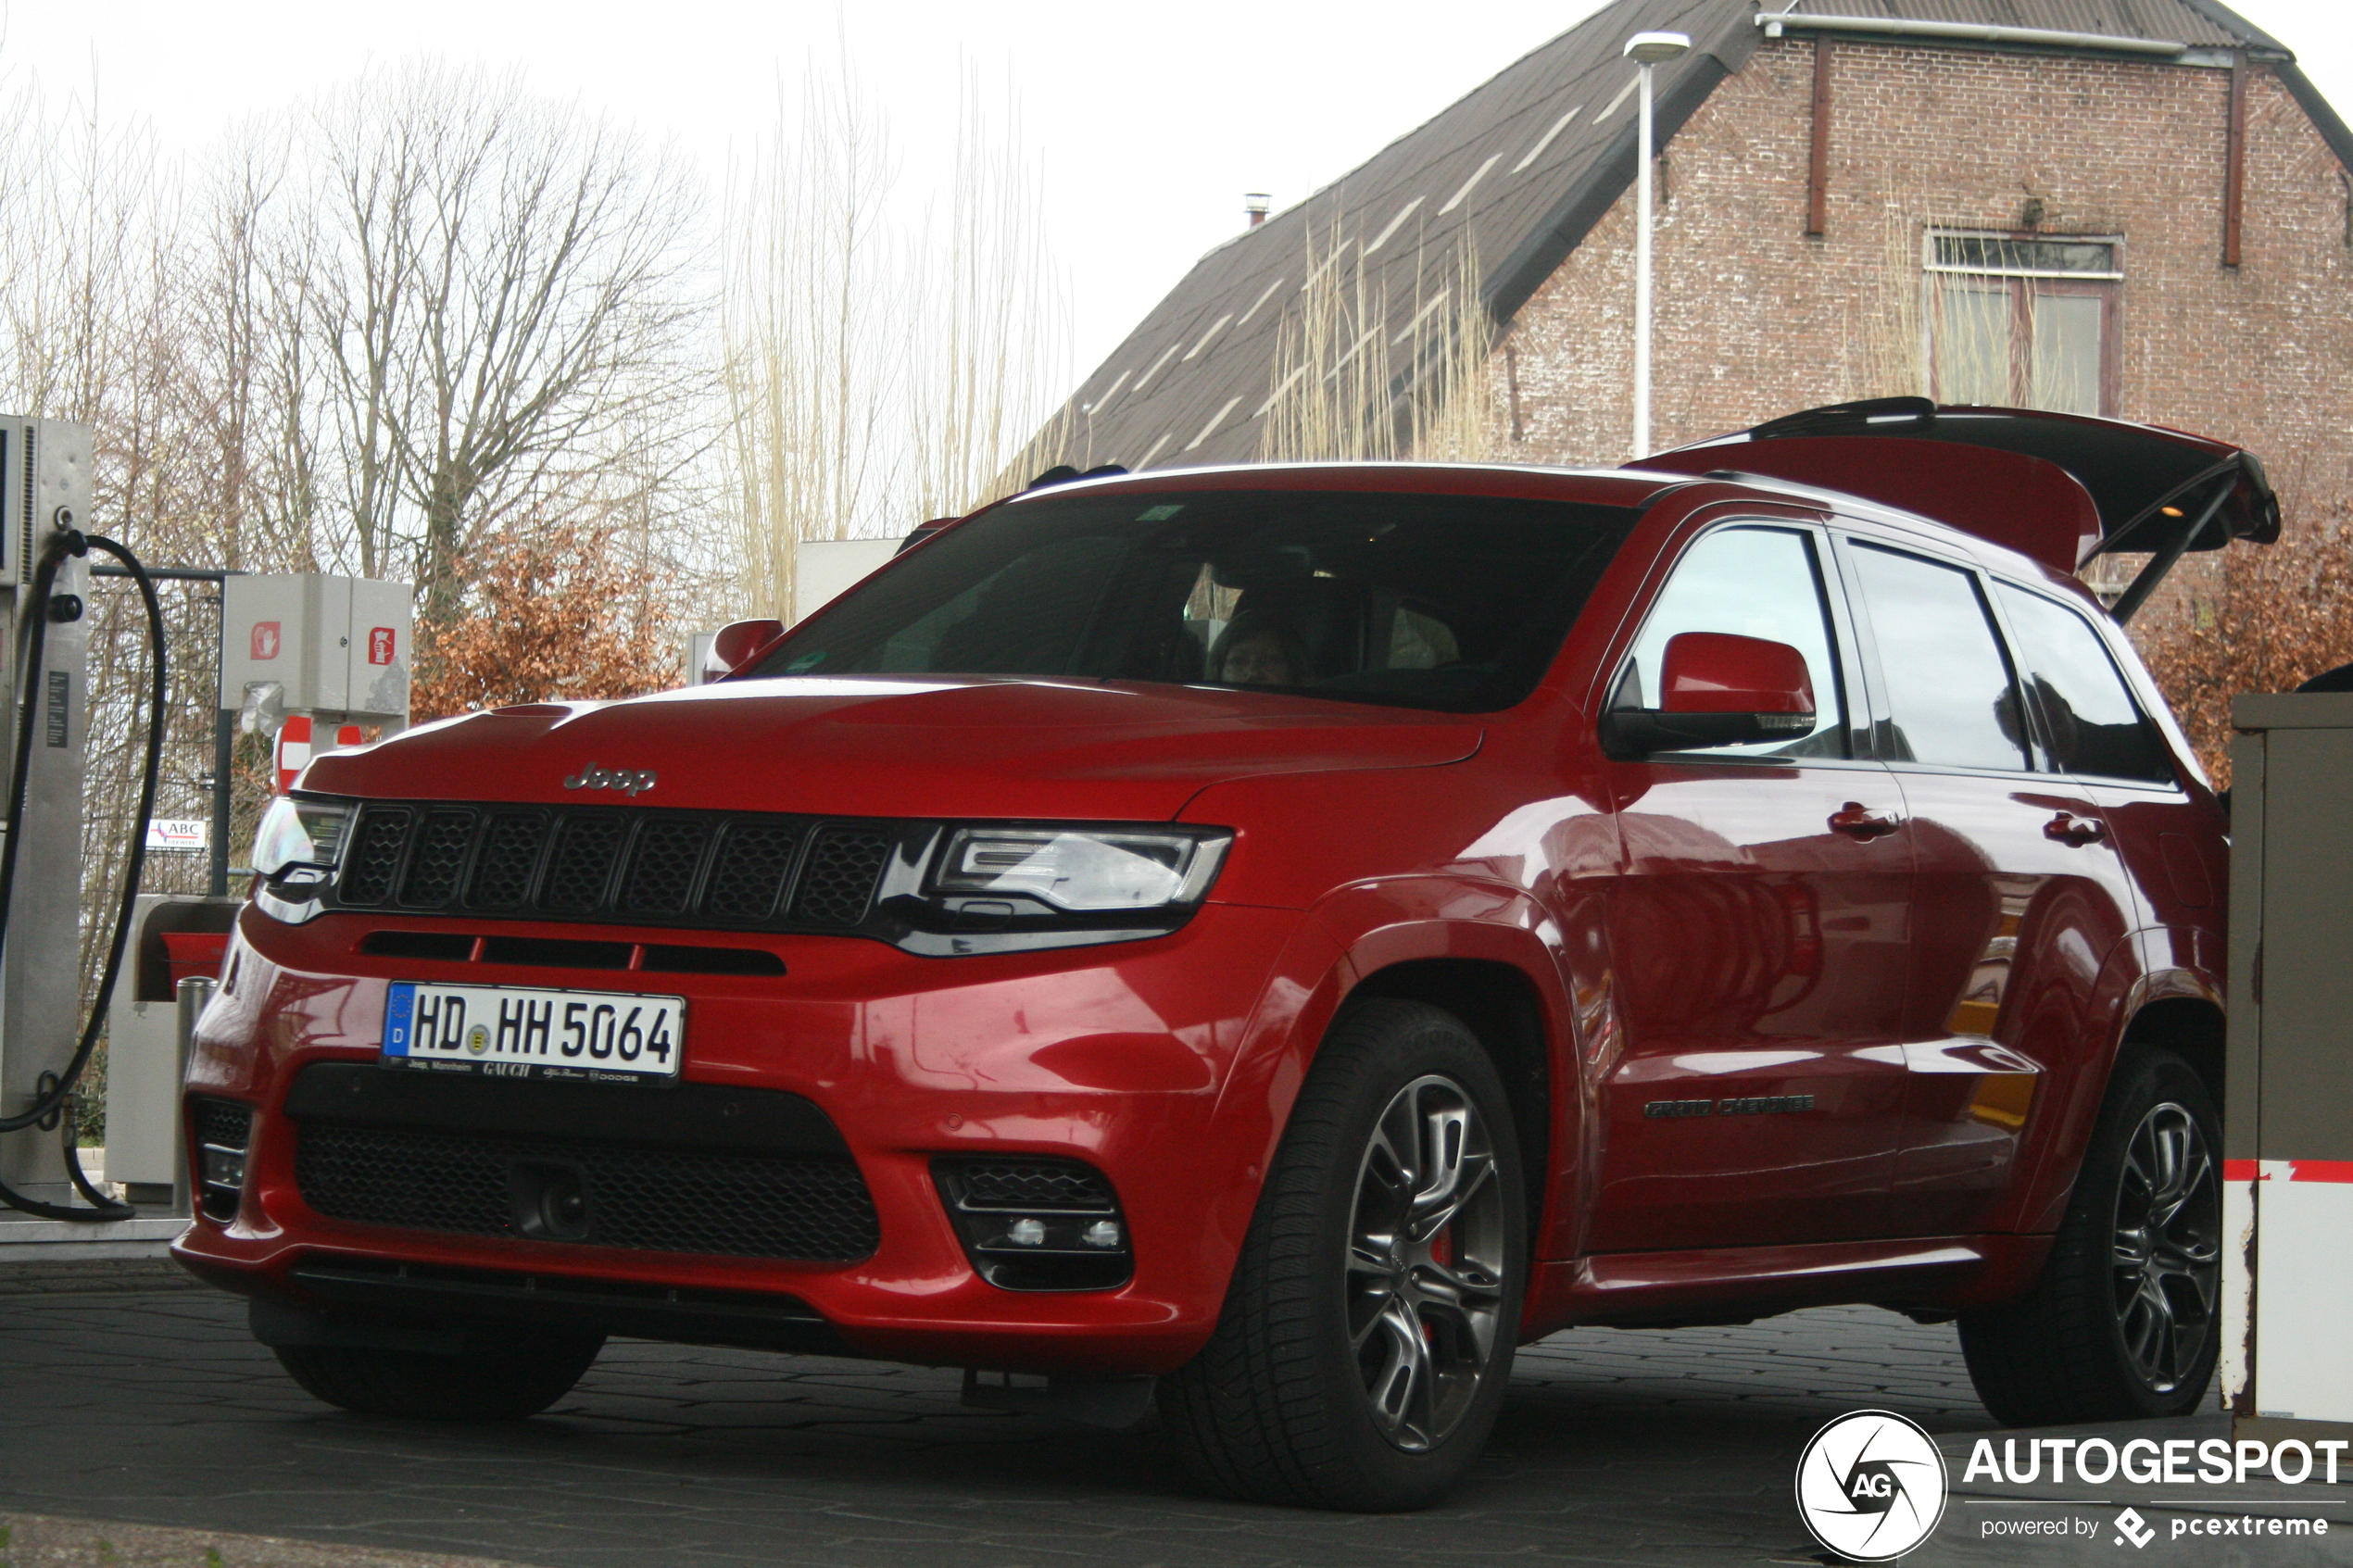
x=2069, y=829
x=1858, y=821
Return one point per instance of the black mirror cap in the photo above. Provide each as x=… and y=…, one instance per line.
x=1628, y=735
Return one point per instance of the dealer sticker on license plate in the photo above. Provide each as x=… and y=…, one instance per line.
x=599, y=1037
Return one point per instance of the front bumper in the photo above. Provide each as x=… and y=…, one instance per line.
x=1118, y=1056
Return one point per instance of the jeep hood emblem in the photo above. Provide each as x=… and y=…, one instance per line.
x=627, y=781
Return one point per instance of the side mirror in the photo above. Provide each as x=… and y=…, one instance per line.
x=1716, y=689
x=736, y=643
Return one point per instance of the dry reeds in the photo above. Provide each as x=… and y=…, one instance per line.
x=878, y=372
x=1347, y=386
x=1888, y=349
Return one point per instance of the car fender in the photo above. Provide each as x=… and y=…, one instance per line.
x=2143, y=967
x=1355, y=933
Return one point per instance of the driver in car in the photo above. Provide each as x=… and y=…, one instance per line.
x=1258, y=651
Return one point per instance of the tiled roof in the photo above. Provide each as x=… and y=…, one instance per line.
x=1523, y=166
x=2115, y=19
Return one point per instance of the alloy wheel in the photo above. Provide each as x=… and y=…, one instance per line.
x=2168, y=1258
x=1426, y=1261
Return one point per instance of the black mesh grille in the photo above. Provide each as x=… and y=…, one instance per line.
x=839, y=878
x=224, y=1122
x=439, y=856
x=585, y=857
x=661, y=868
x=642, y=865
x=747, y=879
x=648, y=1199
x=510, y=854
x=375, y=854
x=1032, y=1183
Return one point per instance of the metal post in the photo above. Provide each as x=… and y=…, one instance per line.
x=1645, y=49
x=192, y=996
x=1642, y=278
x=224, y=755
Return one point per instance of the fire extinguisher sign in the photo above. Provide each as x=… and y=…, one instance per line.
x=380, y=644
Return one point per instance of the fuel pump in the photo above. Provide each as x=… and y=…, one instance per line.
x=45, y=1044
x=310, y=661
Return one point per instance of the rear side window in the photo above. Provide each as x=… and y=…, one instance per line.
x=1951, y=702
x=1752, y=583
x=2089, y=717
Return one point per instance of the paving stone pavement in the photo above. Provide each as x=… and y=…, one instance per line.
x=1614, y=1447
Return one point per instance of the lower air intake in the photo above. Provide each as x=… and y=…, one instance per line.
x=808, y=1209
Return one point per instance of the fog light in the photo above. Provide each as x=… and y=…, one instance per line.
x=224, y=1168
x=1036, y=1222
x=220, y=1132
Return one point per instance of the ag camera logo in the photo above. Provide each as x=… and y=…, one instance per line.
x=1870, y=1486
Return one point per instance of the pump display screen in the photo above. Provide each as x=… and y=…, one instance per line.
x=506, y=1031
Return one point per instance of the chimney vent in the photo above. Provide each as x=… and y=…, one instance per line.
x=1254, y=206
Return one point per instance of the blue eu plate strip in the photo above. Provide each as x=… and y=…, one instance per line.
x=400, y=1002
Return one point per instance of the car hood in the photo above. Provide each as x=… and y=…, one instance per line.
x=894, y=747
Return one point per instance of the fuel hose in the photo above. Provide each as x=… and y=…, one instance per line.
x=55, y=1098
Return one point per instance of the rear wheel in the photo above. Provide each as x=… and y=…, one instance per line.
x=1367, y=1336
x=501, y=1382
x=2125, y=1322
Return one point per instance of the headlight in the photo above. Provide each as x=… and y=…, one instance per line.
x=294, y=848
x=1082, y=869
x=1016, y=886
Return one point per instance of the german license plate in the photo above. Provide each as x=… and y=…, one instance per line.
x=507, y=1031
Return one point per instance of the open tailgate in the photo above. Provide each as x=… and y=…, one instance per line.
x=2062, y=488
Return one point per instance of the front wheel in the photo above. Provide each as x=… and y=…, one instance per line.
x=1366, y=1340
x=507, y=1379
x=2125, y=1322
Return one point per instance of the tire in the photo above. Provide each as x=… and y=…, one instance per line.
x=2126, y=1321
x=1310, y=1392
x=506, y=1384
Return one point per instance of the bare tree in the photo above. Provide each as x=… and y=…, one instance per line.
x=504, y=299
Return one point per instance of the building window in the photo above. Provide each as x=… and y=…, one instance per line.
x=2024, y=322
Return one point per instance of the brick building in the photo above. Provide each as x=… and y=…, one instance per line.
x=2133, y=208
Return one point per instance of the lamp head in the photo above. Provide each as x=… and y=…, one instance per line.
x=1656, y=48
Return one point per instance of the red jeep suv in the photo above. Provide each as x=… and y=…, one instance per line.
x=1272, y=939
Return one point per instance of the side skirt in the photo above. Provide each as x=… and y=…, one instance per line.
x=1723, y=1284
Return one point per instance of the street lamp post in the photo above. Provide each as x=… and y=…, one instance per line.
x=1646, y=50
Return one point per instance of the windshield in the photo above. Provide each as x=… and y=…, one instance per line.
x=1448, y=602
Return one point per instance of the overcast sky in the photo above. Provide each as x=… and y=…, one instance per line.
x=1149, y=121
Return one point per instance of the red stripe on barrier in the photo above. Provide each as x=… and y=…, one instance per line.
x=2238, y=1170
x=2321, y=1170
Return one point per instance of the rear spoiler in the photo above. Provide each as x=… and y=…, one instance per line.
x=2062, y=488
